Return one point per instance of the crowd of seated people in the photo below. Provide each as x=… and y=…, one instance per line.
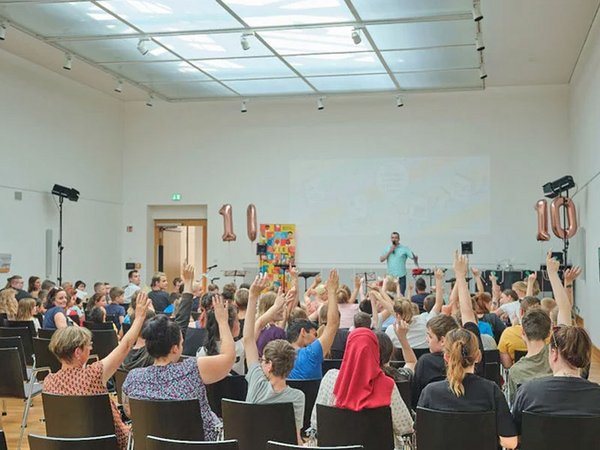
x=437, y=345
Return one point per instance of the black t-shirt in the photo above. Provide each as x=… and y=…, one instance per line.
x=480, y=395
x=480, y=366
x=430, y=367
x=160, y=300
x=419, y=299
x=560, y=396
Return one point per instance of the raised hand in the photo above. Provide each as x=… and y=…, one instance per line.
x=333, y=282
x=532, y=277
x=461, y=264
x=357, y=281
x=439, y=275
x=571, y=274
x=220, y=309
x=280, y=299
x=259, y=284
x=187, y=273
x=552, y=264
x=318, y=280
x=142, y=303
x=401, y=328
x=290, y=296
x=493, y=279
x=476, y=272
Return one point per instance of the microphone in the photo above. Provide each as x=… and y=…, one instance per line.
x=211, y=267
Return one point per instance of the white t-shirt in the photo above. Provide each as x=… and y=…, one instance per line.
x=238, y=365
x=512, y=311
x=417, y=332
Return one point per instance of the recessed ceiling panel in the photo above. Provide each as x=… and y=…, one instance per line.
x=206, y=46
x=336, y=63
x=404, y=9
x=314, y=40
x=241, y=68
x=447, y=79
x=191, y=90
x=64, y=19
x=432, y=59
x=423, y=34
x=172, y=15
x=261, y=13
x=357, y=83
x=274, y=86
x=158, y=72
x=115, y=50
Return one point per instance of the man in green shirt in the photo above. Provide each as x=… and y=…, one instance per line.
x=395, y=256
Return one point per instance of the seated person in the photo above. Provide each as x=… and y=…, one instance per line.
x=536, y=329
x=115, y=306
x=271, y=309
x=564, y=393
x=267, y=375
x=169, y=379
x=361, y=384
x=463, y=391
x=386, y=349
x=512, y=337
x=138, y=355
x=96, y=319
x=72, y=345
x=302, y=335
x=56, y=306
x=421, y=294
x=26, y=311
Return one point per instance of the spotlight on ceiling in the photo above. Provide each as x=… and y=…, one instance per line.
x=65, y=192
x=555, y=188
x=477, y=16
x=150, y=101
x=479, y=42
x=142, y=46
x=68, y=64
x=119, y=86
x=356, y=36
x=2, y=30
x=399, y=101
x=321, y=103
x=482, y=72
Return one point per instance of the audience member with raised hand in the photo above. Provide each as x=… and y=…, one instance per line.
x=347, y=304
x=463, y=391
x=569, y=276
x=478, y=281
x=512, y=337
x=560, y=293
x=56, y=307
x=565, y=393
x=271, y=311
x=409, y=357
x=404, y=310
x=483, y=308
x=303, y=336
x=169, y=379
x=360, y=383
x=533, y=287
x=267, y=375
x=72, y=346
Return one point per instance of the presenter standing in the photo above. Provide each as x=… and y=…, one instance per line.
x=395, y=256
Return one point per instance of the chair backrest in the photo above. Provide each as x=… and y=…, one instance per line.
x=98, y=326
x=45, y=333
x=371, y=428
x=3, y=319
x=156, y=443
x=310, y=389
x=104, y=342
x=120, y=376
x=26, y=337
x=542, y=431
x=3, y=445
x=519, y=354
x=420, y=352
x=44, y=357
x=57, y=443
x=339, y=343
x=23, y=324
x=233, y=387
x=171, y=419
x=77, y=416
x=15, y=342
x=405, y=389
x=329, y=364
x=492, y=372
x=12, y=382
x=254, y=425
x=397, y=364
x=126, y=327
x=465, y=430
x=194, y=339
x=281, y=446
x=492, y=356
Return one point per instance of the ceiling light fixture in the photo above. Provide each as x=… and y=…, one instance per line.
x=399, y=101
x=2, y=30
x=356, y=38
x=68, y=62
x=479, y=42
x=244, y=42
x=477, y=16
x=150, y=101
x=482, y=72
x=142, y=46
x=119, y=86
x=321, y=103
x=244, y=106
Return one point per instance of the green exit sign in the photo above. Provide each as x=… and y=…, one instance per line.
x=176, y=197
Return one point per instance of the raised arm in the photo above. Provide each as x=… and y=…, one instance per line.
x=401, y=330
x=271, y=313
x=215, y=368
x=495, y=292
x=374, y=313
x=560, y=293
x=439, y=292
x=249, y=339
x=478, y=281
x=184, y=312
x=356, y=289
x=333, y=314
x=530, y=282
x=113, y=361
x=569, y=277
x=461, y=264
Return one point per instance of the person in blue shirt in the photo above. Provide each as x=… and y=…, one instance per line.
x=395, y=256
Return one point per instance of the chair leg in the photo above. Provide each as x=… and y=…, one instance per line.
x=3, y=407
x=26, y=411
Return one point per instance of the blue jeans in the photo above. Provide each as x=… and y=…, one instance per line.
x=402, y=281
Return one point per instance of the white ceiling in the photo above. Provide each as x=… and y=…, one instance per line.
x=298, y=49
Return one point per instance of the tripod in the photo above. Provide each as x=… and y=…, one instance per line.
x=60, y=241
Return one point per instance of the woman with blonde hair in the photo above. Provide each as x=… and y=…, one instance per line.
x=26, y=312
x=8, y=303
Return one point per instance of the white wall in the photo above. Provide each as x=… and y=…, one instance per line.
x=585, y=130
x=212, y=154
x=53, y=130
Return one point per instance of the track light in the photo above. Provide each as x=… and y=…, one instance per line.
x=142, y=46
x=119, y=86
x=356, y=36
x=482, y=72
x=150, y=101
x=244, y=42
x=68, y=62
x=2, y=30
x=399, y=101
x=321, y=103
x=244, y=106
x=479, y=42
x=477, y=16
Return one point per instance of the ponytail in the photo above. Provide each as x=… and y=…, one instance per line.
x=461, y=349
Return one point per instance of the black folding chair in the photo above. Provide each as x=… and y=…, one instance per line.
x=310, y=389
x=23, y=324
x=45, y=333
x=44, y=358
x=170, y=419
x=461, y=430
x=492, y=372
x=519, y=354
x=104, y=342
x=119, y=377
x=405, y=389
x=194, y=339
x=156, y=443
x=77, y=416
x=543, y=431
x=253, y=425
x=371, y=428
x=233, y=387
x=37, y=442
x=98, y=325
x=339, y=343
x=26, y=338
x=281, y=446
x=16, y=342
x=329, y=364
